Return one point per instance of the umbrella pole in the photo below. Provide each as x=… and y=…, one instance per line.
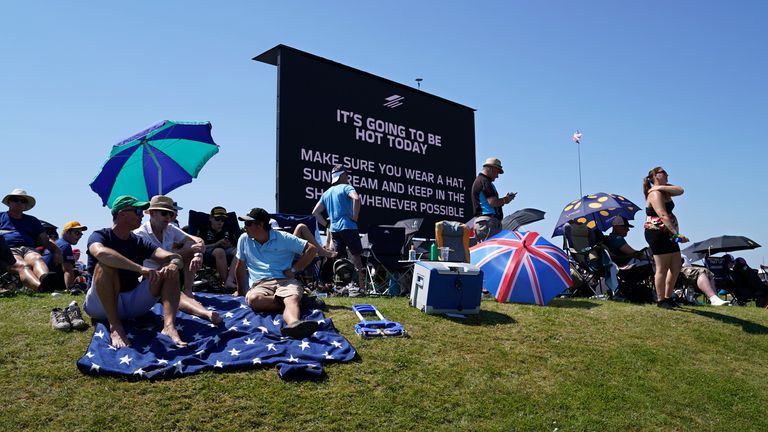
x=159, y=170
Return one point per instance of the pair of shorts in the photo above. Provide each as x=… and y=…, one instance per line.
x=660, y=242
x=23, y=251
x=210, y=260
x=690, y=275
x=347, y=239
x=130, y=304
x=276, y=287
x=486, y=226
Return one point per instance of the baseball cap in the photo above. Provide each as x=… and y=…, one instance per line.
x=125, y=201
x=74, y=225
x=621, y=221
x=218, y=211
x=256, y=214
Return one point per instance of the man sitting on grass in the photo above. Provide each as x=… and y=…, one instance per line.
x=265, y=259
x=162, y=234
x=115, y=257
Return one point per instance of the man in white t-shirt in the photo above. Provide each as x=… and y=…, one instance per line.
x=160, y=232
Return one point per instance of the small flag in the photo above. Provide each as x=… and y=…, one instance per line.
x=577, y=137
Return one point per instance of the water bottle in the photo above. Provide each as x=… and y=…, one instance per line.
x=412, y=254
x=433, y=252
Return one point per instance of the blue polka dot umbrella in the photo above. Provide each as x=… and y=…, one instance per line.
x=155, y=161
x=596, y=211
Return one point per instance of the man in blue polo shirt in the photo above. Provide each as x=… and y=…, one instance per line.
x=342, y=203
x=266, y=266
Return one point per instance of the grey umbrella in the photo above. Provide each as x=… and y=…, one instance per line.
x=521, y=217
x=725, y=243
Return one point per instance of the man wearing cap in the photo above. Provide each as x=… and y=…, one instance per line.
x=266, y=266
x=71, y=233
x=342, y=203
x=115, y=258
x=622, y=254
x=486, y=201
x=23, y=234
x=219, y=243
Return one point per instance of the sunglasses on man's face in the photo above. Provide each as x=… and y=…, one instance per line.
x=220, y=219
x=18, y=200
x=136, y=211
x=166, y=213
x=249, y=223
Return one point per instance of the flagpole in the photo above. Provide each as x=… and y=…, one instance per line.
x=578, y=146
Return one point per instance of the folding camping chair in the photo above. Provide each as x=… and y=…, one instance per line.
x=310, y=276
x=721, y=275
x=589, y=261
x=384, y=266
x=208, y=276
x=455, y=236
x=9, y=281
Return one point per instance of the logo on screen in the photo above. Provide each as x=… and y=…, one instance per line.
x=393, y=101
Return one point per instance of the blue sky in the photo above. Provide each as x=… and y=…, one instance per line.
x=677, y=84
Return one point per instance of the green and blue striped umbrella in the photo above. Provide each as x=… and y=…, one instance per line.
x=155, y=161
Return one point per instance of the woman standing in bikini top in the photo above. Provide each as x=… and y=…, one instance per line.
x=662, y=233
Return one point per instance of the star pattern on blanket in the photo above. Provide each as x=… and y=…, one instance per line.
x=244, y=339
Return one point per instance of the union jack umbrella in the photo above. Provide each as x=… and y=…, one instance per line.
x=522, y=267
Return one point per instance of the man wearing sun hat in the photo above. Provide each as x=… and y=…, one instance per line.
x=342, y=203
x=486, y=201
x=115, y=258
x=161, y=233
x=25, y=232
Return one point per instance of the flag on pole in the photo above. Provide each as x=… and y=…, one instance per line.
x=577, y=137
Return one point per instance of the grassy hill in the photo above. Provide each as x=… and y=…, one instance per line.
x=575, y=365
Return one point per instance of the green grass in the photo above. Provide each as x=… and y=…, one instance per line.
x=575, y=365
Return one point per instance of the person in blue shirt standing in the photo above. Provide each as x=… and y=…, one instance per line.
x=342, y=203
x=23, y=234
x=265, y=265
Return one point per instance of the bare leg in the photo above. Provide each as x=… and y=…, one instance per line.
x=675, y=263
x=358, y=262
x=189, y=277
x=302, y=231
x=169, y=291
x=221, y=263
x=659, y=279
x=263, y=303
x=35, y=261
x=705, y=285
x=107, y=287
x=27, y=276
x=231, y=282
x=291, y=312
x=191, y=306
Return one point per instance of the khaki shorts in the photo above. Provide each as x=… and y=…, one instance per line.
x=690, y=275
x=276, y=287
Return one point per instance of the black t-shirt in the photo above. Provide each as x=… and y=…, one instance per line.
x=134, y=248
x=482, y=189
x=210, y=236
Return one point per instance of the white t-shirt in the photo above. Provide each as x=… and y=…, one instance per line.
x=171, y=235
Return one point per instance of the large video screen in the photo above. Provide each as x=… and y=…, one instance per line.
x=411, y=154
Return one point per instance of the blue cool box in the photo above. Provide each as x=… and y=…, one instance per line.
x=446, y=287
